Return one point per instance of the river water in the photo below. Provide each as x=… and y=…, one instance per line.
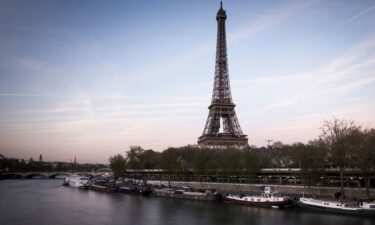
x=39, y=202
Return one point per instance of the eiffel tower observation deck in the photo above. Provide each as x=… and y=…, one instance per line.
x=222, y=129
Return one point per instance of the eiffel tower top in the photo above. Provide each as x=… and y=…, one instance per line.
x=221, y=12
x=221, y=92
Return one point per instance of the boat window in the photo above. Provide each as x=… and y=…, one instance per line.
x=258, y=200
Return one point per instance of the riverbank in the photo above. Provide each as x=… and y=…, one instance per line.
x=290, y=190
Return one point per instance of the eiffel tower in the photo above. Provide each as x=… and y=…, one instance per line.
x=221, y=111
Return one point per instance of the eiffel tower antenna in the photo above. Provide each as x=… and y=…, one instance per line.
x=221, y=111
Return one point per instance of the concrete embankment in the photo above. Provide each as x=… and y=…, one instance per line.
x=290, y=190
x=207, y=196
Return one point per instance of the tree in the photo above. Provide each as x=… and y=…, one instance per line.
x=117, y=163
x=150, y=159
x=40, y=158
x=133, y=160
x=228, y=161
x=171, y=160
x=337, y=137
x=249, y=163
x=365, y=155
x=199, y=163
x=311, y=159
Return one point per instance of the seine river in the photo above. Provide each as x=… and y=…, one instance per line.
x=39, y=202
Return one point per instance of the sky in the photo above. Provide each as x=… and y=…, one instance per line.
x=91, y=78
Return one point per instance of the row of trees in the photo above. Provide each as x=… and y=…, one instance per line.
x=188, y=158
x=342, y=144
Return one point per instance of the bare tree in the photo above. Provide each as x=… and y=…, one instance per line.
x=337, y=135
x=365, y=155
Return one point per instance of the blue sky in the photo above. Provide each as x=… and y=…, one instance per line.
x=91, y=78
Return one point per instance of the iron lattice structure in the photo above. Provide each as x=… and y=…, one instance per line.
x=221, y=110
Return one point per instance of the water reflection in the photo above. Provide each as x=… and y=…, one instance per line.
x=39, y=202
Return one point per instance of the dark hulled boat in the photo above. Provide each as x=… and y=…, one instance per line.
x=130, y=187
x=101, y=184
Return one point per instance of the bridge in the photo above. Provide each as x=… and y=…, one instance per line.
x=51, y=175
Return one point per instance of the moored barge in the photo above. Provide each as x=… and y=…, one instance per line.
x=267, y=199
x=364, y=208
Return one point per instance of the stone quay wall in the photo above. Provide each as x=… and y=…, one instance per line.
x=289, y=190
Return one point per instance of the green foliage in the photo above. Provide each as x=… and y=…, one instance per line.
x=199, y=162
x=311, y=159
x=171, y=160
x=209, y=161
x=117, y=163
x=228, y=161
x=133, y=158
x=150, y=159
x=249, y=163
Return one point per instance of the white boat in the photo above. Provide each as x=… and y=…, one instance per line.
x=268, y=199
x=66, y=181
x=364, y=208
x=78, y=181
x=368, y=205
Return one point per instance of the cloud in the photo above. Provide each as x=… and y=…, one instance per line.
x=100, y=96
x=269, y=19
x=83, y=120
x=292, y=107
x=344, y=74
x=339, y=25
x=150, y=108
